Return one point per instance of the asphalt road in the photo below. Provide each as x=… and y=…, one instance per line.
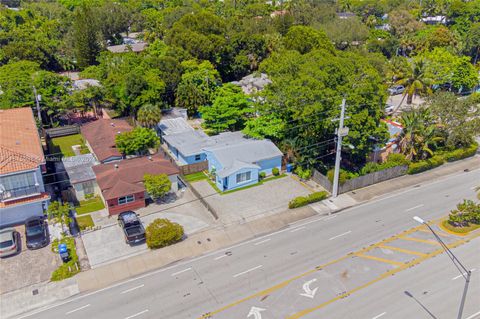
x=209, y=283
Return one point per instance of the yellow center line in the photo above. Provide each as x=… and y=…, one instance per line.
x=318, y=268
x=419, y=240
x=383, y=260
x=402, y=250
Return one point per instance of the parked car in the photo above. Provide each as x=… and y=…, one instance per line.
x=36, y=232
x=396, y=89
x=389, y=109
x=8, y=242
x=132, y=227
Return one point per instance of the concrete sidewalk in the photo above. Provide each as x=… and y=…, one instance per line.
x=216, y=238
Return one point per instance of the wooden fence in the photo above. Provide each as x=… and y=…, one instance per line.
x=63, y=130
x=361, y=181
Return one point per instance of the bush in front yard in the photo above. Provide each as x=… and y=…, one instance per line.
x=275, y=171
x=311, y=198
x=425, y=165
x=262, y=175
x=162, y=232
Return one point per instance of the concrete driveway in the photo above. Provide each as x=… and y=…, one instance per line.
x=108, y=244
x=252, y=203
x=27, y=267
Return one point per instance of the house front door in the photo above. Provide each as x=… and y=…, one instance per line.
x=225, y=183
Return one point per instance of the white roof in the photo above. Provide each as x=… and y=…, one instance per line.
x=174, y=126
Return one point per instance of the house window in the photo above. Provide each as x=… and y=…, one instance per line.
x=243, y=177
x=126, y=199
x=197, y=157
x=88, y=188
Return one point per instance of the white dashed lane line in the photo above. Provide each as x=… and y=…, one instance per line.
x=132, y=289
x=247, y=271
x=181, y=271
x=77, y=309
x=137, y=314
x=343, y=234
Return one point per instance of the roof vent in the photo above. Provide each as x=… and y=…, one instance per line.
x=112, y=124
x=17, y=142
x=149, y=158
x=119, y=132
x=116, y=166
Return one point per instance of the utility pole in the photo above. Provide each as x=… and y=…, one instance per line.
x=341, y=132
x=37, y=100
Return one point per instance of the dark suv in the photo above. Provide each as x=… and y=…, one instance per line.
x=132, y=227
x=36, y=232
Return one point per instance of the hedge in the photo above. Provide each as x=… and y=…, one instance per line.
x=439, y=159
x=162, y=232
x=425, y=165
x=305, y=200
x=461, y=153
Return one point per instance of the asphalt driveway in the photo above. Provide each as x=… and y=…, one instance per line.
x=27, y=267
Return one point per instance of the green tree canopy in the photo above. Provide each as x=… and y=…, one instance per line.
x=137, y=141
x=305, y=39
x=157, y=186
x=149, y=115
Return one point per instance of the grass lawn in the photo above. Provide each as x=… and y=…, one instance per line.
x=458, y=230
x=64, y=145
x=195, y=177
x=90, y=205
x=84, y=222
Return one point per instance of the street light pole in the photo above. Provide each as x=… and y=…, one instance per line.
x=465, y=273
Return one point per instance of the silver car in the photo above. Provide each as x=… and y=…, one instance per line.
x=396, y=89
x=8, y=242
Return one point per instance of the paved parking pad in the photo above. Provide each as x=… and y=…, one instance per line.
x=308, y=292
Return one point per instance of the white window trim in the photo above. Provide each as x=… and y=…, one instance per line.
x=126, y=199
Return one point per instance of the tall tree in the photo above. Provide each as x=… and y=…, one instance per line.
x=149, y=115
x=415, y=79
x=85, y=32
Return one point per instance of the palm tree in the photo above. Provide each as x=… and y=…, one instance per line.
x=419, y=136
x=149, y=115
x=415, y=80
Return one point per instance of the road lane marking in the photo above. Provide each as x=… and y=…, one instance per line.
x=220, y=257
x=247, y=271
x=181, y=271
x=298, y=228
x=75, y=310
x=345, y=233
x=464, y=274
x=132, y=289
x=383, y=260
x=418, y=240
x=474, y=315
x=137, y=314
x=380, y=315
x=414, y=207
x=330, y=217
x=402, y=250
x=261, y=242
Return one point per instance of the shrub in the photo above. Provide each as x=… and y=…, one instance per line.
x=461, y=153
x=262, y=175
x=370, y=167
x=425, y=165
x=303, y=173
x=157, y=185
x=275, y=171
x=162, y=232
x=305, y=200
x=466, y=213
x=343, y=176
x=397, y=158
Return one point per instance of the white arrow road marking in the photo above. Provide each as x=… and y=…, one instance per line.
x=255, y=312
x=309, y=293
x=74, y=310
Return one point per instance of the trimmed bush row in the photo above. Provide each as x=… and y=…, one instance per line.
x=305, y=200
x=439, y=159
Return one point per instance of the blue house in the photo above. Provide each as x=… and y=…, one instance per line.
x=239, y=164
x=188, y=147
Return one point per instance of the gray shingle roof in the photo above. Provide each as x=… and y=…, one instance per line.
x=243, y=154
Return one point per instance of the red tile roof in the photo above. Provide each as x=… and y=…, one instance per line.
x=126, y=177
x=20, y=147
x=100, y=135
